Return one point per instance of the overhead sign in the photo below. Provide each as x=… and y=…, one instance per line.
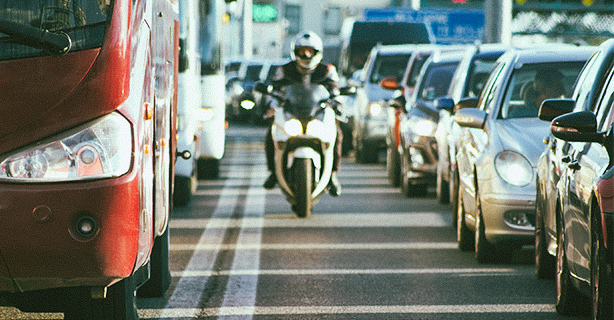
x=448, y=26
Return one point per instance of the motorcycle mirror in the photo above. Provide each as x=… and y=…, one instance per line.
x=347, y=91
x=263, y=88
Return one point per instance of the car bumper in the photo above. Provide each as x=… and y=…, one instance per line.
x=375, y=130
x=41, y=247
x=509, y=217
x=422, y=153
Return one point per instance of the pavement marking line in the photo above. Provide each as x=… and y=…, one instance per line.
x=348, y=190
x=208, y=246
x=308, y=272
x=241, y=289
x=320, y=310
x=189, y=290
x=331, y=220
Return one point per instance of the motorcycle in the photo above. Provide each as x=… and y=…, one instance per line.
x=304, y=134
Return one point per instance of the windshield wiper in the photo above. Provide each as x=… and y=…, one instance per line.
x=55, y=43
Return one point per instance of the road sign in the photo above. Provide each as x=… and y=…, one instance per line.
x=448, y=26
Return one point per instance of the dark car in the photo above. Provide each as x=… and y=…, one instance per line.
x=585, y=208
x=466, y=83
x=418, y=148
x=555, y=157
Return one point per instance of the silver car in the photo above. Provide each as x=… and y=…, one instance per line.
x=500, y=144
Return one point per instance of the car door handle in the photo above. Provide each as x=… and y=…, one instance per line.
x=566, y=159
x=574, y=165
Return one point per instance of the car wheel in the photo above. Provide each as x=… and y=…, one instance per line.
x=443, y=188
x=464, y=236
x=484, y=251
x=368, y=154
x=568, y=301
x=208, y=168
x=393, y=167
x=601, y=275
x=454, y=195
x=544, y=261
x=184, y=188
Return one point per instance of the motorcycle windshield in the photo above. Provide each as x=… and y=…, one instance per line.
x=303, y=101
x=46, y=27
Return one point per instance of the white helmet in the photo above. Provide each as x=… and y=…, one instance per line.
x=306, y=50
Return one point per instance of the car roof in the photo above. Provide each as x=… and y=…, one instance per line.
x=550, y=53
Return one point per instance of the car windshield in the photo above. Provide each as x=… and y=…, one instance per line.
x=532, y=83
x=389, y=66
x=84, y=21
x=436, y=81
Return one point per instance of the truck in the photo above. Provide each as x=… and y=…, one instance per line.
x=87, y=153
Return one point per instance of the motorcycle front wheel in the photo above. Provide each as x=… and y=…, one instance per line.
x=303, y=186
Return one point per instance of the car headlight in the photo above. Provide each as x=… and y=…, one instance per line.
x=425, y=127
x=315, y=127
x=514, y=168
x=293, y=127
x=100, y=149
x=375, y=109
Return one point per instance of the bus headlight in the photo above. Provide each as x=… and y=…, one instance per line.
x=514, y=168
x=99, y=149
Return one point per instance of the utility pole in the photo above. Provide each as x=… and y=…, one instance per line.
x=246, y=30
x=498, y=21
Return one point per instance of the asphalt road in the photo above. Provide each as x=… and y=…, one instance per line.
x=238, y=252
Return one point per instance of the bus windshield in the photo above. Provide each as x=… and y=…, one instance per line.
x=51, y=27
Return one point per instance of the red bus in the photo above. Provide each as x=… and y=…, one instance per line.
x=87, y=152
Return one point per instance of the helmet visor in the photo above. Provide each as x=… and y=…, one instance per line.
x=305, y=52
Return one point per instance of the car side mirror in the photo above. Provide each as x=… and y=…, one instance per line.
x=444, y=103
x=263, y=88
x=470, y=118
x=578, y=126
x=467, y=103
x=552, y=108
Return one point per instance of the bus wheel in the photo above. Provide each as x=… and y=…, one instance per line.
x=119, y=304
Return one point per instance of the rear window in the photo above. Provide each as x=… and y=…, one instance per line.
x=389, y=66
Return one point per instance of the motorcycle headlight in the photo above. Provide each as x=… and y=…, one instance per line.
x=314, y=127
x=375, y=109
x=293, y=127
x=514, y=168
x=247, y=104
x=100, y=149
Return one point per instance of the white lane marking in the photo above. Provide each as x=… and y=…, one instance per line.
x=328, y=220
x=464, y=272
x=189, y=290
x=320, y=310
x=317, y=246
x=346, y=190
x=241, y=289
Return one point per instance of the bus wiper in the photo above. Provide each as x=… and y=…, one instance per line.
x=55, y=43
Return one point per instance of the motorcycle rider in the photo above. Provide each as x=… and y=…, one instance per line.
x=305, y=67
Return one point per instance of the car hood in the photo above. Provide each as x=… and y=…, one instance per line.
x=524, y=135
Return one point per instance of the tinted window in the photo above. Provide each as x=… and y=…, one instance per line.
x=84, y=21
